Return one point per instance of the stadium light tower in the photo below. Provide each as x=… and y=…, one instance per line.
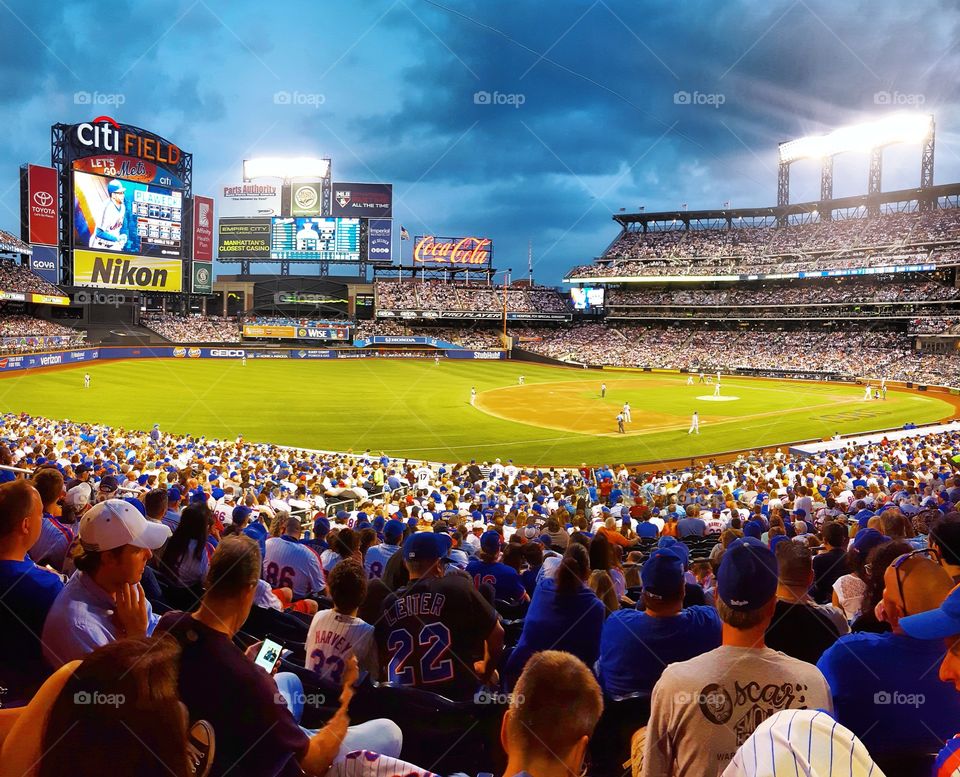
x=870, y=137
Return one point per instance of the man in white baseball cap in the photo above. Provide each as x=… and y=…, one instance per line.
x=104, y=600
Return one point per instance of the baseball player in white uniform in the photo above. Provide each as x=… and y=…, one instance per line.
x=689, y=380
x=288, y=564
x=473, y=396
x=716, y=388
x=86, y=380
x=603, y=390
x=243, y=360
x=867, y=393
x=694, y=423
x=520, y=380
x=626, y=412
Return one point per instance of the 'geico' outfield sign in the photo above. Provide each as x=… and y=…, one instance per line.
x=466, y=251
x=105, y=270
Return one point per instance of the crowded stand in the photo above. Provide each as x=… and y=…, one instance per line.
x=18, y=279
x=442, y=295
x=475, y=338
x=192, y=328
x=26, y=334
x=890, y=239
x=607, y=599
x=840, y=351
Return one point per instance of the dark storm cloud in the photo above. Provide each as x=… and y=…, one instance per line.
x=632, y=103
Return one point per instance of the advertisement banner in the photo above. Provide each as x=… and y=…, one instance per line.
x=202, y=229
x=380, y=240
x=278, y=332
x=202, y=278
x=306, y=198
x=298, y=332
x=313, y=238
x=452, y=251
x=249, y=200
x=244, y=238
x=42, y=205
x=362, y=200
x=129, y=168
x=45, y=262
x=48, y=299
x=125, y=271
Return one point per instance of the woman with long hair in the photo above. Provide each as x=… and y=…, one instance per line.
x=185, y=558
x=564, y=615
x=878, y=560
x=602, y=585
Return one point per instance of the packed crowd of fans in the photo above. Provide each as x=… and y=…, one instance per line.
x=193, y=328
x=279, y=320
x=745, y=617
x=18, y=278
x=839, y=351
x=441, y=295
x=466, y=337
x=839, y=291
x=890, y=239
x=26, y=334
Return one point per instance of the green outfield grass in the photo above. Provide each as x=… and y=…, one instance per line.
x=414, y=408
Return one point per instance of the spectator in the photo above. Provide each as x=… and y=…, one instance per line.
x=27, y=592
x=700, y=712
x=217, y=680
x=185, y=558
x=376, y=558
x=866, y=671
x=831, y=564
x=104, y=600
x=563, y=615
x=487, y=568
x=635, y=645
x=849, y=589
x=603, y=586
x=553, y=712
x=337, y=634
x=55, y=538
x=945, y=537
x=801, y=628
x=446, y=607
x=877, y=562
x=289, y=564
x=691, y=525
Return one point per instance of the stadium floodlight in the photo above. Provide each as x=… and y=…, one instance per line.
x=895, y=128
x=286, y=168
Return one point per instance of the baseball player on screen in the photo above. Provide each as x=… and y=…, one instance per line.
x=108, y=232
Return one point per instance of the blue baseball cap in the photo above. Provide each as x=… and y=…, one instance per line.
x=241, y=513
x=173, y=494
x=132, y=500
x=427, y=546
x=321, y=527
x=748, y=575
x=679, y=549
x=491, y=541
x=392, y=529
x=662, y=574
x=866, y=540
x=935, y=624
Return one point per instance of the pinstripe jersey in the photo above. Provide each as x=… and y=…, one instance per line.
x=288, y=564
x=376, y=558
x=333, y=638
x=52, y=544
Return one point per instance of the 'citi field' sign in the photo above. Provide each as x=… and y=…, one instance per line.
x=465, y=251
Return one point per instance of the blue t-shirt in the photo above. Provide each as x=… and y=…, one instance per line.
x=886, y=691
x=28, y=593
x=635, y=647
x=505, y=579
x=646, y=529
x=569, y=622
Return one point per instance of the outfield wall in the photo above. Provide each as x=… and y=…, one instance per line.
x=30, y=361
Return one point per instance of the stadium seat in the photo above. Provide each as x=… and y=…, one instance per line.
x=610, y=746
x=511, y=610
x=439, y=734
x=282, y=626
x=511, y=631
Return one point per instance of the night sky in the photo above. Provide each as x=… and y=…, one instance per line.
x=512, y=120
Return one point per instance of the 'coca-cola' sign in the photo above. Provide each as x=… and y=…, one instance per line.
x=462, y=251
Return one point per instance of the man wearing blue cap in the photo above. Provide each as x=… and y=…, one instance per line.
x=437, y=632
x=376, y=558
x=487, y=568
x=705, y=708
x=884, y=688
x=635, y=645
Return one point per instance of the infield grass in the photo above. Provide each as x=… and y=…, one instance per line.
x=414, y=408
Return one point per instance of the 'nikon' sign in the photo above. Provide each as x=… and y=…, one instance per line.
x=105, y=270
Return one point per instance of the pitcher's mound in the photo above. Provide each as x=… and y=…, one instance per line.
x=711, y=398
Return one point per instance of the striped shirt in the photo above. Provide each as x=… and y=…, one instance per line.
x=376, y=558
x=288, y=564
x=333, y=638
x=52, y=544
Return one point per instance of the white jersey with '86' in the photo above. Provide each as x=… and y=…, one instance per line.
x=288, y=564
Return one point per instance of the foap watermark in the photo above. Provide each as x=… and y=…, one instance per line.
x=98, y=699
x=99, y=298
x=713, y=99
x=899, y=98
x=492, y=697
x=299, y=698
x=896, y=698
x=99, y=98
x=514, y=99
x=312, y=99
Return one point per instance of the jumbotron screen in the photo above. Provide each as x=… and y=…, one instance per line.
x=586, y=298
x=332, y=239
x=114, y=214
